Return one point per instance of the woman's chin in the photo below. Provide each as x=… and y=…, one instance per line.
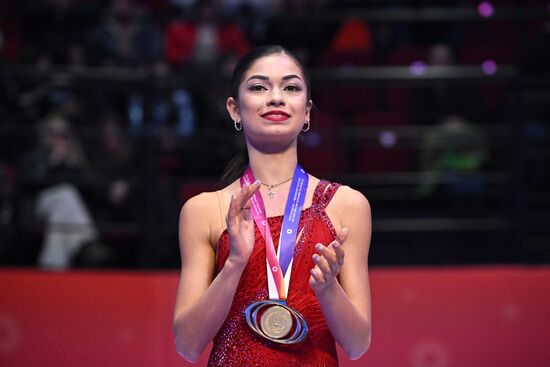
x=274, y=142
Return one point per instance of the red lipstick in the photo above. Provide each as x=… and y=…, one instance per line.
x=276, y=115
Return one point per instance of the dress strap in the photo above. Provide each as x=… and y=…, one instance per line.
x=323, y=194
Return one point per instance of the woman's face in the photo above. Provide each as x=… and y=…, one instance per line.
x=272, y=104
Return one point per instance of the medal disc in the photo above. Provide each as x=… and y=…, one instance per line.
x=276, y=322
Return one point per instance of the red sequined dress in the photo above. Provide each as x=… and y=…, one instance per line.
x=237, y=345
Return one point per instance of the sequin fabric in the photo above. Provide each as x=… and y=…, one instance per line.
x=237, y=345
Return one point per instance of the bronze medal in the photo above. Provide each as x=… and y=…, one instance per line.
x=276, y=322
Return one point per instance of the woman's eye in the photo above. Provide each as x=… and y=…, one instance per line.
x=257, y=88
x=293, y=88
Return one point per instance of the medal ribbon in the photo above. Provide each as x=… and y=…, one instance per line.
x=279, y=264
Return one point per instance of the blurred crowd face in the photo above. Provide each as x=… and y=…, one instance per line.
x=60, y=143
x=57, y=132
x=440, y=55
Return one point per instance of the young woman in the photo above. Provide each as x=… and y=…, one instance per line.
x=260, y=310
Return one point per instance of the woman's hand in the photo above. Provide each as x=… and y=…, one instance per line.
x=328, y=263
x=240, y=225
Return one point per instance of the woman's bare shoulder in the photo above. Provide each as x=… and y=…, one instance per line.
x=349, y=201
x=206, y=202
x=200, y=205
x=206, y=212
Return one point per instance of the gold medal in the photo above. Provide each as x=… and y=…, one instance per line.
x=276, y=322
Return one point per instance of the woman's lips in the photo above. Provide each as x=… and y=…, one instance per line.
x=276, y=116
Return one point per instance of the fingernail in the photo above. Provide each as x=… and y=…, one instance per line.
x=336, y=244
x=315, y=257
x=256, y=183
x=319, y=246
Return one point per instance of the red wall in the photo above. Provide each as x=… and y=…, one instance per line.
x=421, y=318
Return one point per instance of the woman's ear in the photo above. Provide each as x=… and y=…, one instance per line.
x=233, y=109
x=308, y=110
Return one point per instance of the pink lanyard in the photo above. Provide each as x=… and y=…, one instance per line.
x=277, y=278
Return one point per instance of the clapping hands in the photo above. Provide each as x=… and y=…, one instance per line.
x=240, y=225
x=328, y=262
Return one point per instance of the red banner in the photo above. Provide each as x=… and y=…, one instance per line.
x=442, y=317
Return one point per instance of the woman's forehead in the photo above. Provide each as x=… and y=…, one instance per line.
x=274, y=66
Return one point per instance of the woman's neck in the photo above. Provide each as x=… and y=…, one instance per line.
x=273, y=168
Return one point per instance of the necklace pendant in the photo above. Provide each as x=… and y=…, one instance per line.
x=270, y=192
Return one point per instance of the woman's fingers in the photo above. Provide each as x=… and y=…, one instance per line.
x=243, y=197
x=250, y=190
x=333, y=255
x=329, y=259
x=317, y=275
x=323, y=264
x=337, y=245
x=247, y=195
x=339, y=252
x=233, y=208
x=240, y=202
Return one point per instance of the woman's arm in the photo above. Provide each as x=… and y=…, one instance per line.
x=342, y=287
x=202, y=301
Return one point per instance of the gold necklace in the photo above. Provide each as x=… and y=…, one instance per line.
x=270, y=188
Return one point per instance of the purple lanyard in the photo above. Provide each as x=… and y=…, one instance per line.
x=278, y=265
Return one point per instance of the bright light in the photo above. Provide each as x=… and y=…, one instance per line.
x=489, y=67
x=418, y=67
x=486, y=9
x=387, y=139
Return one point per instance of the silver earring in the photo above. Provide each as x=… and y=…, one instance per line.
x=238, y=125
x=306, y=127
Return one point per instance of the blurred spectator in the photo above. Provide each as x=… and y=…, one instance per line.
x=352, y=35
x=444, y=97
x=76, y=56
x=204, y=40
x=125, y=37
x=115, y=161
x=205, y=44
x=440, y=54
x=253, y=16
x=452, y=157
x=52, y=172
x=349, y=48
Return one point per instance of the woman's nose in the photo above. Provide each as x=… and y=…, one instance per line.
x=275, y=97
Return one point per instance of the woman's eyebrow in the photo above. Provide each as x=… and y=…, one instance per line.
x=292, y=76
x=263, y=77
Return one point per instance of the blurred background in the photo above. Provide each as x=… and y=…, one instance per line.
x=112, y=114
